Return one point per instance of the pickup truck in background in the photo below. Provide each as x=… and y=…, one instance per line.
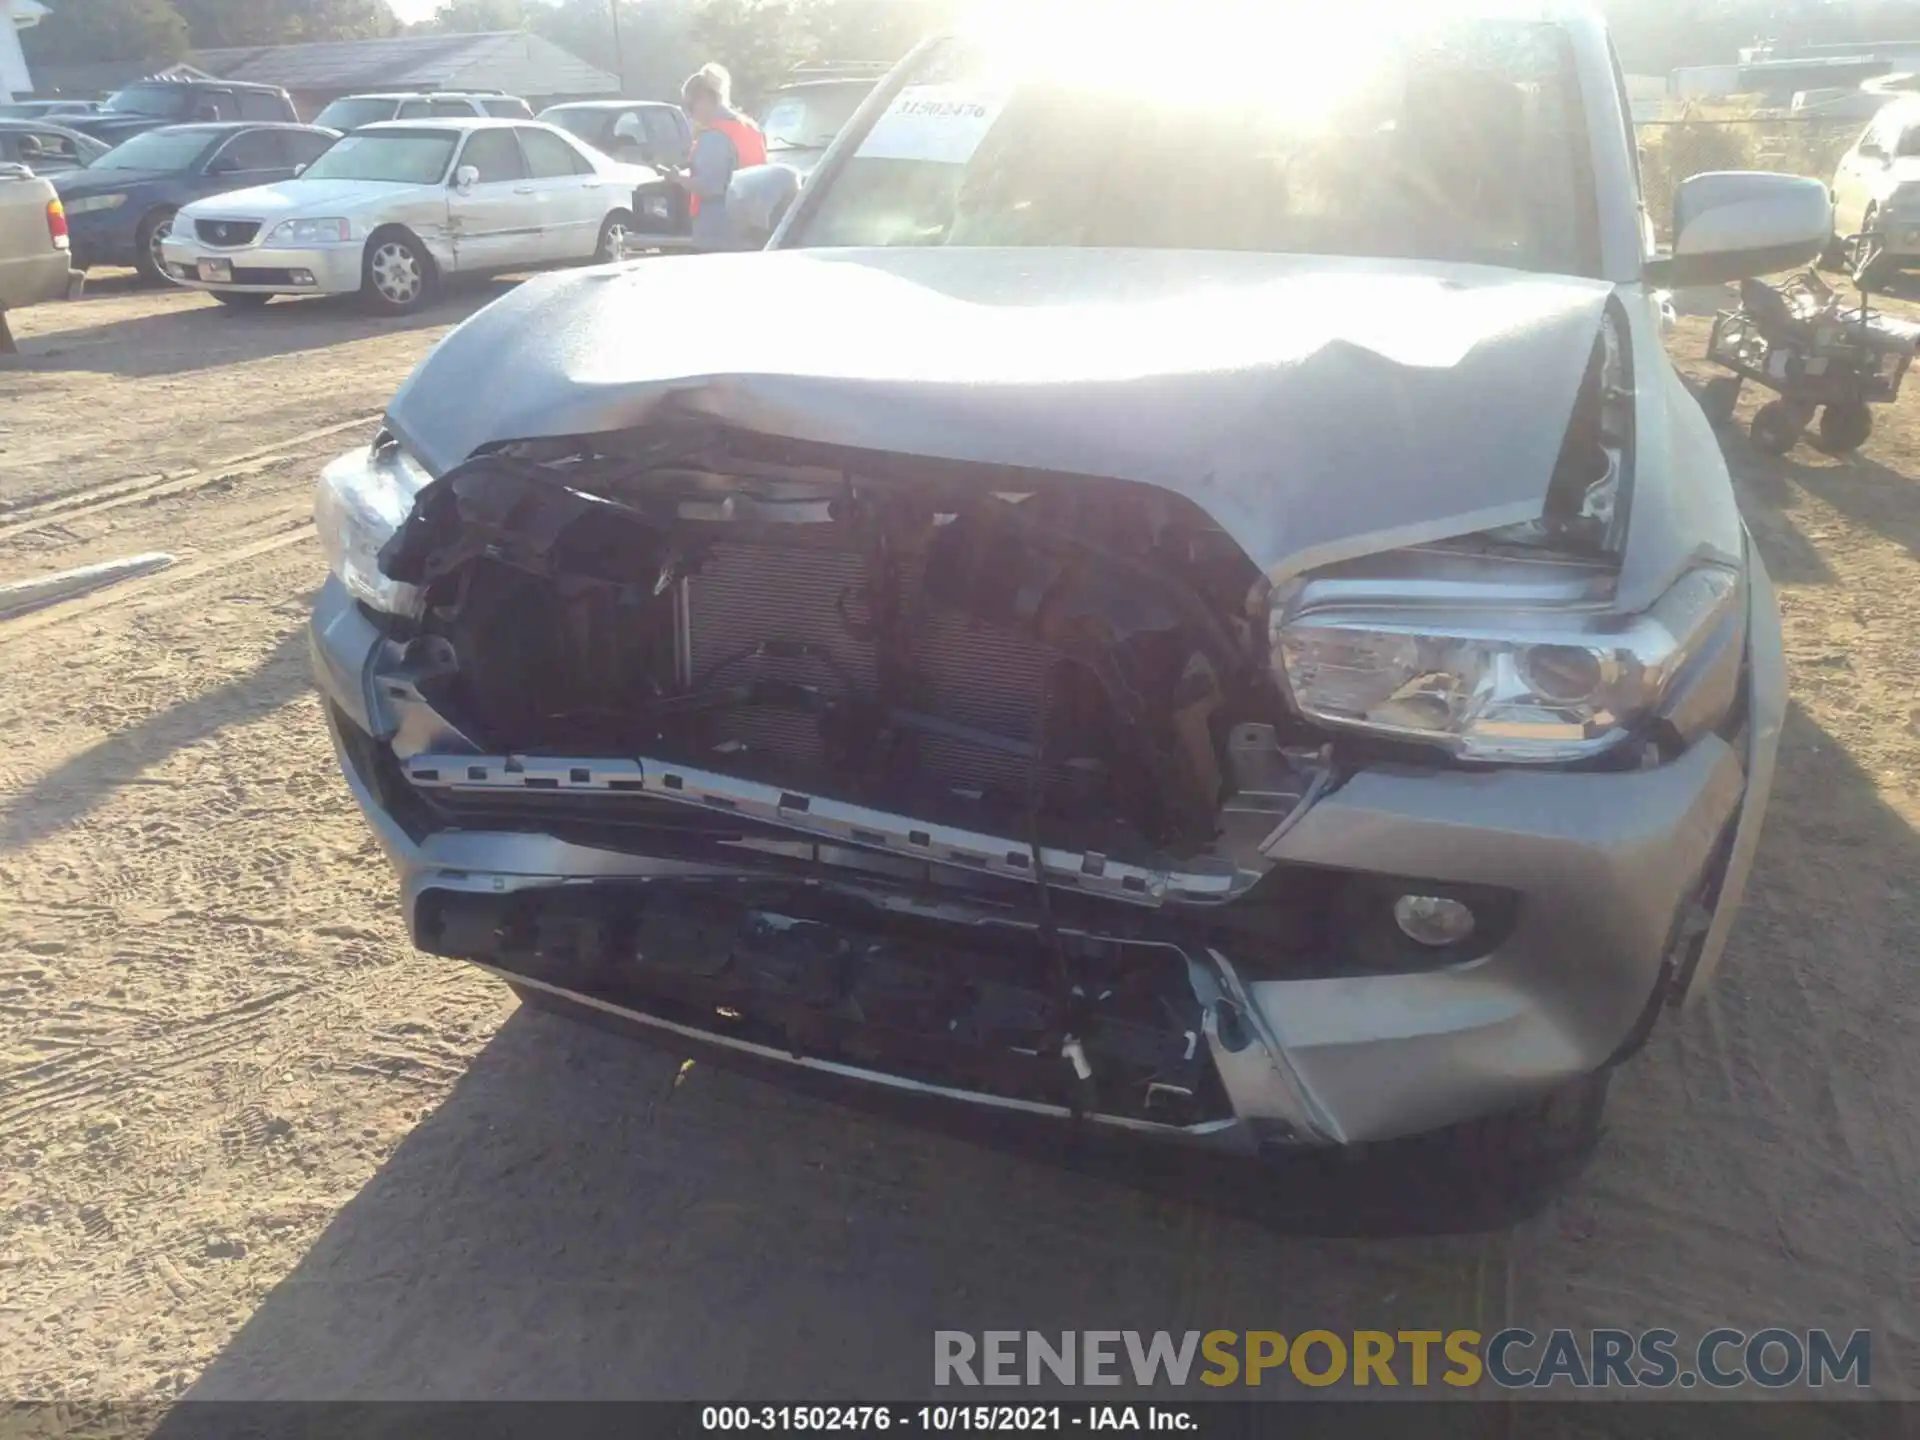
x=35, y=254
x=150, y=104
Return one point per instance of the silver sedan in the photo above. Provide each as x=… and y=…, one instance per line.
x=393, y=209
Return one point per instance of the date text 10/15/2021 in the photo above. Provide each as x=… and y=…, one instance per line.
x=941, y=1419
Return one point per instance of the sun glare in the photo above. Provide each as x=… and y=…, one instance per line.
x=1298, y=58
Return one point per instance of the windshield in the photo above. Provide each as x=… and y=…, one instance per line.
x=162, y=150
x=352, y=114
x=158, y=101
x=582, y=124
x=1456, y=141
x=399, y=157
x=808, y=118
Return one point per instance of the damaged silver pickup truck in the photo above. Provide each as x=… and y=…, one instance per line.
x=1200, y=623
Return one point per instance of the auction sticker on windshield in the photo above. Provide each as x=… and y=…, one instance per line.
x=940, y=123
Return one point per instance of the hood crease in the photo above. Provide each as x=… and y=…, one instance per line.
x=1317, y=409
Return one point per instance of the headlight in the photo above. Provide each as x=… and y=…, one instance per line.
x=1500, y=685
x=364, y=497
x=311, y=232
x=87, y=204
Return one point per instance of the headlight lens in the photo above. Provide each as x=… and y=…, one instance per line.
x=311, y=232
x=87, y=204
x=363, y=498
x=1500, y=686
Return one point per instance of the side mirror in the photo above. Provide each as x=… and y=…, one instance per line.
x=1734, y=224
x=298, y=171
x=465, y=178
x=758, y=199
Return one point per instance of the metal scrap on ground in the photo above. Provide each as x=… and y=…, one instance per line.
x=23, y=597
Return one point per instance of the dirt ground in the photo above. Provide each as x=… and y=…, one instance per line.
x=252, y=1146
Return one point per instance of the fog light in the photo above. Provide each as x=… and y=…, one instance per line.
x=302, y=277
x=1433, y=920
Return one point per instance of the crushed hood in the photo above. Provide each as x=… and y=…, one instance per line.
x=1316, y=408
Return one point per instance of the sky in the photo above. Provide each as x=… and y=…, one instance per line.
x=412, y=10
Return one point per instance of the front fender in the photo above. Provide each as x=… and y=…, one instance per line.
x=440, y=246
x=1766, y=716
x=431, y=221
x=1682, y=508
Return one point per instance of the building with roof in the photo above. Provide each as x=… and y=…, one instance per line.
x=15, y=16
x=514, y=61
x=97, y=79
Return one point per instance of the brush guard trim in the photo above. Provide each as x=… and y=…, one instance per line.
x=856, y=825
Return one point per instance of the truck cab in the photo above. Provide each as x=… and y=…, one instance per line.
x=150, y=104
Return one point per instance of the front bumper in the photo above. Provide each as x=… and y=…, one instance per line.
x=1608, y=871
x=266, y=270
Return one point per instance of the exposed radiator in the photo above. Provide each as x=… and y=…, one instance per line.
x=972, y=674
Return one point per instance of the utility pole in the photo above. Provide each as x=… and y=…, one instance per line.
x=619, y=55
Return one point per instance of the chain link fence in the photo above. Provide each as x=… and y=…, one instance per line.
x=1673, y=150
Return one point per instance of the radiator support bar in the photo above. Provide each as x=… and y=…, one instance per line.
x=1210, y=880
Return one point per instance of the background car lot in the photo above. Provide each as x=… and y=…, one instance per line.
x=261, y=1143
x=46, y=147
x=123, y=206
x=424, y=201
x=350, y=112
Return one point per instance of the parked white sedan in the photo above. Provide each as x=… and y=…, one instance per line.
x=394, y=208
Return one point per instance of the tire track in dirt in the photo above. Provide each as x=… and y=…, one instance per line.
x=178, y=1046
x=80, y=505
x=290, y=526
x=222, y=1091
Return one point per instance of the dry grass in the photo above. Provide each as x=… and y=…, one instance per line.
x=1674, y=150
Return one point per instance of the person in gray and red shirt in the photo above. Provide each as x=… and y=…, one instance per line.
x=724, y=141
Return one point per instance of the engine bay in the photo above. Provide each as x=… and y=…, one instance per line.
x=1061, y=659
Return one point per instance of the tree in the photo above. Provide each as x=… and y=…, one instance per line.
x=78, y=31
x=757, y=40
x=656, y=40
x=338, y=20
x=466, y=17
x=877, y=29
x=218, y=23
x=664, y=41
x=760, y=40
